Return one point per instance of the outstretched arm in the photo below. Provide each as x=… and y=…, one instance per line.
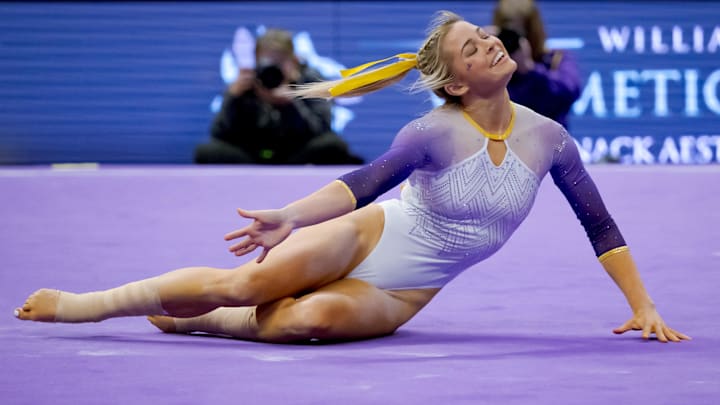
x=270, y=227
x=352, y=190
x=575, y=183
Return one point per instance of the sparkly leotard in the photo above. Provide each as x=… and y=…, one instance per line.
x=457, y=207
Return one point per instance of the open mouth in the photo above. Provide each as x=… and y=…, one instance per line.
x=498, y=57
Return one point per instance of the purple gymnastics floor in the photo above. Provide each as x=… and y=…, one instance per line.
x=531, y=325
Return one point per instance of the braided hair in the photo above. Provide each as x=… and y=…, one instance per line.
x=434, y=69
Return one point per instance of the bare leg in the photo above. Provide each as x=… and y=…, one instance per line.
x=347, y=309
x=308, y=259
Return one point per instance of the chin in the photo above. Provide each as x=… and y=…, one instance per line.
x=508, y=73
x=511, y=68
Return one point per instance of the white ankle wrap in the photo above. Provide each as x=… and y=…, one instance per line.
x=136, y=298
x=239, y=322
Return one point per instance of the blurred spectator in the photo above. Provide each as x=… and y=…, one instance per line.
x=259, y=124
x=547, y=80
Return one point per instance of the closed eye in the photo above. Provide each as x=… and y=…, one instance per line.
x=481, y=33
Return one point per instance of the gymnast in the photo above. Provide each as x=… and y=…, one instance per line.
x=334, y=266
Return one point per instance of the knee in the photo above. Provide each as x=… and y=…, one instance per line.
x=246, y=288
x=316, y=318
x=297, y=320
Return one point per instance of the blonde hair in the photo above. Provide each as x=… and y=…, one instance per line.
x=431, y=63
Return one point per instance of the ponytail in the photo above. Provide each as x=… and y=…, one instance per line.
x=358, y=81
x=434, y=70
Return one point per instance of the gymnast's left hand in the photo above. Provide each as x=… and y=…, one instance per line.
x=648, y=320
x=268, y=229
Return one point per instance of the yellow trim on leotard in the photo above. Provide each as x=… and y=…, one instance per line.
x=349, y=191
x=612, y=252
x=495, y=137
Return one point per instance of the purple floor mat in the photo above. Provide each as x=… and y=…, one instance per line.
x=531, y=325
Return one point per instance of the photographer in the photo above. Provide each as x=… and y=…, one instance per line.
x=546, y=80
x=259, y=124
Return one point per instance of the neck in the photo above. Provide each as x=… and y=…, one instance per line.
x=491, y=113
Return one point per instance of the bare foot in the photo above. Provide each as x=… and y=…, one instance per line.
x=40, y=306
x=164, y=323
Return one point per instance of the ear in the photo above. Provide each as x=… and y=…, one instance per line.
x=456, y=89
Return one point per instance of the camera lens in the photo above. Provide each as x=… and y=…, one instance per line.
x=270, y=76
x=510, y=40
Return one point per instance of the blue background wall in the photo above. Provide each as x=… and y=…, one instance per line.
x=119, y=82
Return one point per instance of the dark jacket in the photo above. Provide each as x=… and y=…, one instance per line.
x=272, y=133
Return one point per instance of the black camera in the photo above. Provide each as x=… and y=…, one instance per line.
x=510, y=40
x=270, y=76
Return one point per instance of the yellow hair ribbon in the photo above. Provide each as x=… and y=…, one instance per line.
x=406, y=62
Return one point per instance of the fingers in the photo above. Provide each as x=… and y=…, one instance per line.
x=670, y=334
x=244, y=250
x=243, y=231
x=675, y=336
x=660, y=333
x=243, y=247
x=262, y=255
x=680, y=335
x=245, y=214
x=236, y=234
x=246, y=247
x=646, y=330
x=624, y=328
x=240, y=232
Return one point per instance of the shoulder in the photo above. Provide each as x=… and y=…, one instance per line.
x=536, y=125
x=530, y=120
x=437, y=122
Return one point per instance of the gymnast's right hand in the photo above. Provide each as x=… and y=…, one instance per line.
x=268, y=229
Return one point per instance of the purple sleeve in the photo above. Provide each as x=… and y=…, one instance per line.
x=575, y=183
x=407, y=153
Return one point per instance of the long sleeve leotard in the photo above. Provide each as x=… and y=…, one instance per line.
x=458, y=207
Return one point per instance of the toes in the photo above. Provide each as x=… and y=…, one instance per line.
x=164, y=323
x=39, y=306
x=21, y=313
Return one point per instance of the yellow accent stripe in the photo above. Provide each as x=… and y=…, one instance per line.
x=406, y=62
x=496, y=137
x=612, y=252
x=350, y=193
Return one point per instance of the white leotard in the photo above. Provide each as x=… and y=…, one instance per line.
x=457, y=207
x=448, y=221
